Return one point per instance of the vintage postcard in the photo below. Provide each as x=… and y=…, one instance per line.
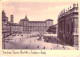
x=39, y=28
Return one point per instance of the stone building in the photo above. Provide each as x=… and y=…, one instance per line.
x=9, y=28
x=16, y=28
x=4, y=17
x=35, y=26
x=68, y=25
x=5, y=29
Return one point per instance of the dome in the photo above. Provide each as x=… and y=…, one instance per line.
x=25, y=19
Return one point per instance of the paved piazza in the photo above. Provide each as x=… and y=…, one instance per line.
x=25, y=41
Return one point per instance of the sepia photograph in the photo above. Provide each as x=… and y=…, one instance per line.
x=40, y=25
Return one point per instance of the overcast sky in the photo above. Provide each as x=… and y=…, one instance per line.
x=35, y=11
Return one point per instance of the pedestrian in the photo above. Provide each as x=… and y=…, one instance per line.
x=38, y=47
x=44, y=48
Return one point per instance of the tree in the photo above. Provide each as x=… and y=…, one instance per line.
x=52, y=29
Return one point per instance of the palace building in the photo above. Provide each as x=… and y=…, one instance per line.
x=35, y=26
x=68, y=25
x=24, y=26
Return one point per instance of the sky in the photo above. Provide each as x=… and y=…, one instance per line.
x=35, y=11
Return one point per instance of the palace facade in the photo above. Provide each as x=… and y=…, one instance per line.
x=24, y=26
x=68, y=25
x=35, y=26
